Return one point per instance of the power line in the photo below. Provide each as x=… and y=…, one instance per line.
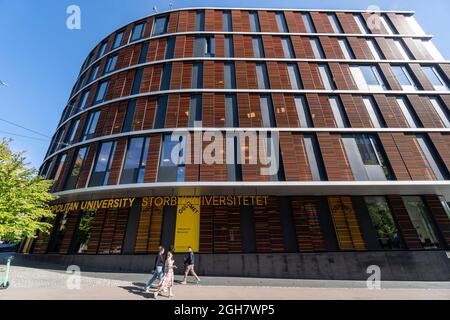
x=25, y=128
x=23, y=136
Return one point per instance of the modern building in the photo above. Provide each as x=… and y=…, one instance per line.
x=359, y=103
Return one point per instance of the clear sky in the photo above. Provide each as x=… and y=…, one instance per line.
x=40, y=58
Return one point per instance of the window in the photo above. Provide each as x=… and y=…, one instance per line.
x=435, y=77
x=294, y=76
x=307, y=21
x=361, y=23
x=135, y=160
x=375, y=49
x=129, y=116
x=441, y=111
x=414, y=25
x=195, y=110
x=90, y=126
x=101, y=92
x=76, y=168
x=254, y=21
x=314, y=157
x=160, y=26
x=281, y=22
x=57, y=140
x=435, y=162
x=110, y=64
x=171, y=167
x=404, y=51
x=409, y=113
x=83, y=233
x=303, y=113
x=70, y=137
x=170, y=48
x=165, y=77
x=231, y=111
x=161, y=109
x=137, y=81
x=234, y=168
x=262, y=76
x=258, y=48
x=227, y=24
x=103, y=163
x=404, y=78
x=93, y=74
x=340, y=117
x=138, y=31
x=200, y=21
x=346, y=49
x=317, y=48
x=432, y=50
x=102, y=49
x=376, y=118
x=58, y=167
x=118, y=39
x=326, y=76
x=335, y=24
x=228, y=47
x=229, y=76
x=197, y=75
x=204, y=47
x=420, y=218
x=83, y=100
x=367, y=158
x=388, y=24
x=143, y=53
x=287, y=48
x=367, y=78
x=383, y=222
x=267, y=113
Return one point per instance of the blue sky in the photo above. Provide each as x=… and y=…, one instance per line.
x=40, y=58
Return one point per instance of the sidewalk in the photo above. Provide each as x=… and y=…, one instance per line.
x=33, y=283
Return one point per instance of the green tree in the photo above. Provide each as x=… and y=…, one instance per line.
x=24, y=197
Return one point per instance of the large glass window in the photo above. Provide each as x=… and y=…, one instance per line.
x=231, y=111
x=161, y=109
x=103, y=163
x=102, y=49
x=435, y=77
x=143, y=53
x=118, y=39
x=375, y=49
x=228, y=47
x=376, y=118
x=281, y=22
x=368, y=78
x=294, y=76
x=93, y=74
x=346, y=49
x=288, y=50
x=340, y=117
x=229, y=76
x=404, y=51
x=361, y=23
x=160, y=26
x=204, y=47
x=421, y=220
x=90, y=126
x=326, y=77
x=197, y=75
x=166, y=76
x=267, y=112
x=227, y=24
x=135, y=161
x=388, y=24
x=83, y=233
x=172, y=160
x=335, y=24
x=314, y=157
x=110, y=64
x=384, y=224
x=129, y=116
x=200, y=21
x=317, y=48
x=262, y=76
x=195, y=110
x=83, y=100
x=58, y=167
x=307, y=21
x=254, y=21
x=138, y=31
x=258, y=48
x=101, y=92
x=75, y=170
x=441, y=110
x=303, y=113
x=434, y=160
x=408, y=112
x=137, y=81
x=170, y=48
x=70, y=137
x=404, y=78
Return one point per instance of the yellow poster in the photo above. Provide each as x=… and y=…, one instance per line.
x=187, y=230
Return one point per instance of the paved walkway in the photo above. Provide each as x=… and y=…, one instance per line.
x=34, y=283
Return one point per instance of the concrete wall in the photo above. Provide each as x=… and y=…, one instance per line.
x=411, y=265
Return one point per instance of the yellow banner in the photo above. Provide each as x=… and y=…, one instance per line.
x=187, y=230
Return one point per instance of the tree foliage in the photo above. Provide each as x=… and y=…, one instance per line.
x=24, y=197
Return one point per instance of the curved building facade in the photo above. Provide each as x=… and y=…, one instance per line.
x=165, y=140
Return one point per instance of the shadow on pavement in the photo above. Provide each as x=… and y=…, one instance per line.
x=138, y=291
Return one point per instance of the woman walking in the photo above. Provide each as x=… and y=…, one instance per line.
x=167, y=282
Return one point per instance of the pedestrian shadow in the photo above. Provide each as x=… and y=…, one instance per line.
x=138, y=289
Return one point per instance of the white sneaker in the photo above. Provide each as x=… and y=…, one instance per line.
x=183, y=282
